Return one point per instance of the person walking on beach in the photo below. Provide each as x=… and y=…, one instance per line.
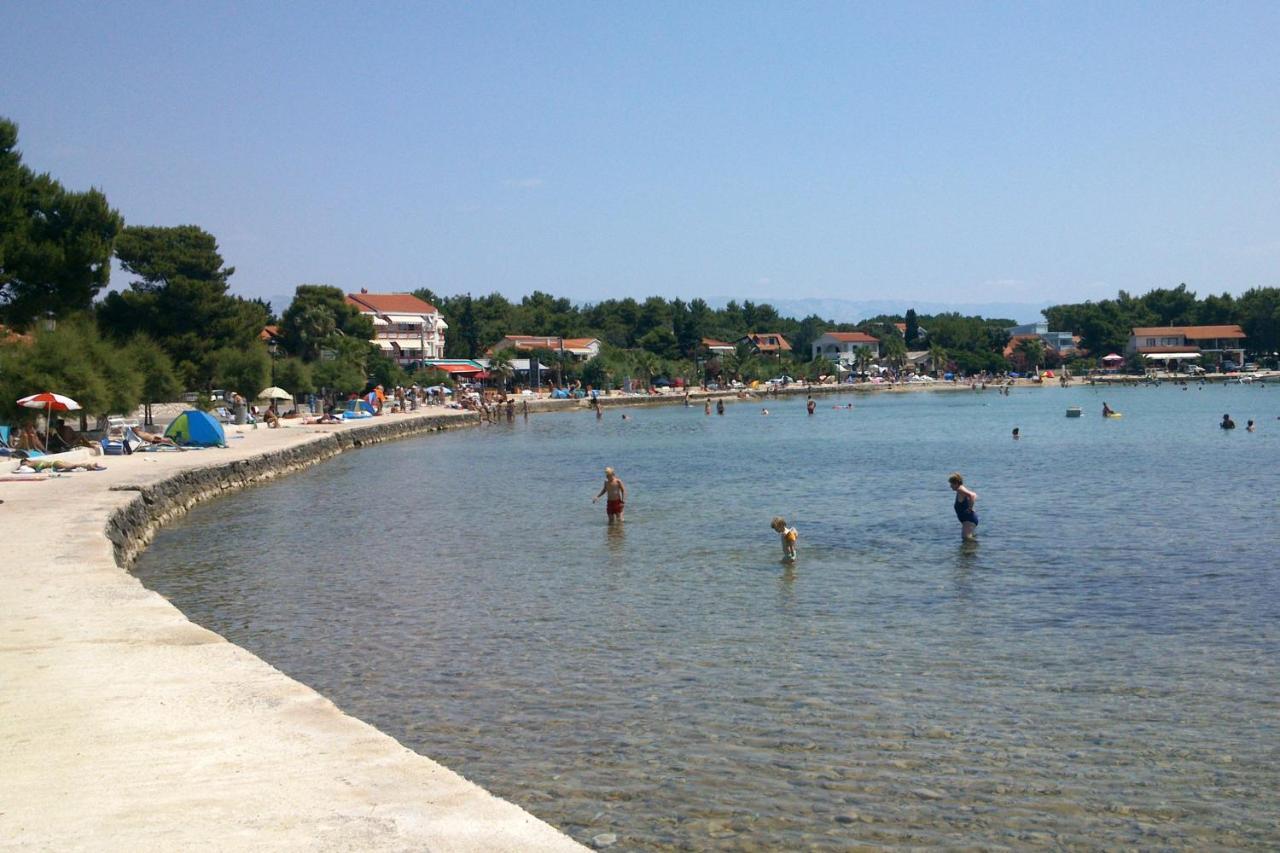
x=617, y=495
x=965, y=499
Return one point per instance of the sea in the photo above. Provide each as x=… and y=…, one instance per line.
x=1101, y=668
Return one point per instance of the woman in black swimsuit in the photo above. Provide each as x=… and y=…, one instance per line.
x=965, y=499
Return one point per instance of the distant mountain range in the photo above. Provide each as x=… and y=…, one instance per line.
x=854, y=311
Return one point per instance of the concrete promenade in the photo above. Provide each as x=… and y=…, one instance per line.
x=123, y=726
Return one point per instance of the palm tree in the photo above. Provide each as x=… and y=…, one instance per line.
x=500, y=368
x=647, y=365
x=894, y=350
x=863, y=358
x=937, y=358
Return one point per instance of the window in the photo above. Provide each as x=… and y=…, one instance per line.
x=1151, y=342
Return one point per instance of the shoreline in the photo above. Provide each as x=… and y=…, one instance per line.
x=126, y=725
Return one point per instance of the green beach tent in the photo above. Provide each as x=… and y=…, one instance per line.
x=194, y=428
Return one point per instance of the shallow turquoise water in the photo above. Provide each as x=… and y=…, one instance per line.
x=1101, y=669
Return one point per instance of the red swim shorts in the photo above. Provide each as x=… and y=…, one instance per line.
x=613, y=508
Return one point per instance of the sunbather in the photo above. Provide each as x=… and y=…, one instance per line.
x=42, y=464
x=67, y=437
x=28, y=439
x=154, y=438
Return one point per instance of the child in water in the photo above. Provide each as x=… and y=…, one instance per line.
x=788, y=536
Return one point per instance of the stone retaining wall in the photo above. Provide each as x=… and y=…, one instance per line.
x=132, y=528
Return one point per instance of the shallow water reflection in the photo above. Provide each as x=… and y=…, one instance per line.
x=1100, y=669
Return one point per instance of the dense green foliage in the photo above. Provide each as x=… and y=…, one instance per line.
x=180, y=299
x=1105, y=326
x=55, y=245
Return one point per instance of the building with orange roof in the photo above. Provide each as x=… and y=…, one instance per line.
x=765, y=343
x=404, y=327
x=843, y=347
x=580, y=348
x=716, y=347
x=1176, y=344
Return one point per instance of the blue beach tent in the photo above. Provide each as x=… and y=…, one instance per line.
x=193, y=428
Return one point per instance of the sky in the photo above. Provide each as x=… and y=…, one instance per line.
x=951, y=151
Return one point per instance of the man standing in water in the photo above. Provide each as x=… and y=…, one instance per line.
x=617, y=495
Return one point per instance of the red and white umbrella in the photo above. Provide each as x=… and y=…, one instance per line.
x=51, y=403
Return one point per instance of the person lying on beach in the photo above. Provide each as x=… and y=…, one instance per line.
x=154, y=438
x=788, y=536
x=32, y=466
x=327, y=418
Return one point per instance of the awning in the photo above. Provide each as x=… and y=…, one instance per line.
x=414, y=319
x=378, y=321
x=385, y=346
x=1166, y=356
x=456, y=368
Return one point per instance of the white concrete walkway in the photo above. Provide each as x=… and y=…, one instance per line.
x=123, y=726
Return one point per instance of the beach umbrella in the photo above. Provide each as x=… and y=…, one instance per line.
x=274, y=393
x=50, y=402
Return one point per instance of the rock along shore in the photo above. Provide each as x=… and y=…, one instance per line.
x=124, y=726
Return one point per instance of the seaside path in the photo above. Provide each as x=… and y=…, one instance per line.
x=125, y=726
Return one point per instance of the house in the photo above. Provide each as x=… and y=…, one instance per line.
x=843, y=347
x=1177, y=344
x=921, y=331
x=716, y=347
x=269, y=335
x=580, y=348
x=765, y=343
x=404, y=327
x=1063, y=343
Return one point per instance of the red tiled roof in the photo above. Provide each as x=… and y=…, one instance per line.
x=390, y=303
x=269, y=332
x=782, y=346
x=551, y=342
x=712, y=342
x=852, y=337
x=1194, y=333
x=1012, y=346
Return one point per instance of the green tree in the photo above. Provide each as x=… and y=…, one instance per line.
x=70, y=360
x=294, y=375
x=159, y=380
x=938, y=359
x=893, y=350
x=55, y=245
x=500, y=368
x=246, y=370
x=181, y=299
x=317, y=313
x=912, y=323
x=1031, y=352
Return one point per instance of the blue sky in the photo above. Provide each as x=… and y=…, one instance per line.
x=963, y=152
